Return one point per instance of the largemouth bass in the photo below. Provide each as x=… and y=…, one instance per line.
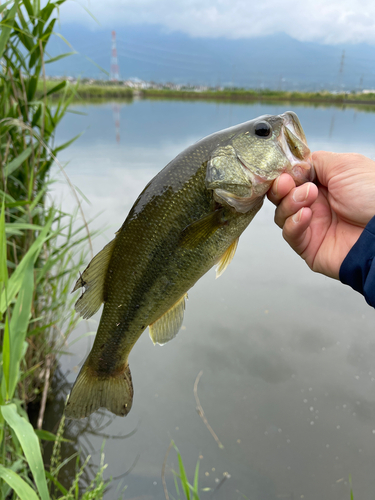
x=187, y=219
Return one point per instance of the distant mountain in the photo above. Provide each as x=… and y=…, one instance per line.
x=277, y=61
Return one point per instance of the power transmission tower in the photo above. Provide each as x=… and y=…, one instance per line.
x=114, y=75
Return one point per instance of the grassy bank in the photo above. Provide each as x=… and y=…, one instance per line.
x=84, y=91
x=265, y=95
x=112, y=90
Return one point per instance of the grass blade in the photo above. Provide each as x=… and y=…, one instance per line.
x=6, y=361
x=97, y=65
x=3, y=290
x=351, y=487
x=3, y=252
x=183, y=476
x=4, y=6
x=6, y=30
x=63, y=490
x=56, y=88
x=22, y=225
x=28, y=7
x=36, y=6
x=61, y=56
x=15, y=281
x=66, y=144
x=48, y=436
x=17, y=162
x=23, y=490
x=63, y=39
x=87, y=334
x=30, y=446
x=196, y=477
x=19, y=324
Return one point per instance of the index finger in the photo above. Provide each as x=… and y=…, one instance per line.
x=280, y=187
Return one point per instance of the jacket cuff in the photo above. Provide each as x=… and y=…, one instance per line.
x=358, y=267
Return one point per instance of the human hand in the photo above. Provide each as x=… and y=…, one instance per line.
x=322, y=222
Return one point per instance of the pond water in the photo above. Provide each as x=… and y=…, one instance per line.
x=288, y=356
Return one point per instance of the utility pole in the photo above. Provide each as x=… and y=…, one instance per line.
x=341, y=70
x=361, y=83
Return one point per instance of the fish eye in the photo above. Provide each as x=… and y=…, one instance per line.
x=263, y=129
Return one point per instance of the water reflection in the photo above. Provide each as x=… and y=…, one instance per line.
x=287, y=355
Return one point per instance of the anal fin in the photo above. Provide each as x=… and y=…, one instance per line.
x=92, y=279
x=168, y=325
x=226, y=259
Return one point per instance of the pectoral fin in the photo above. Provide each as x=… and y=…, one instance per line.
x=92, y=279
x=202, y=229
x=226, y=259
x=168, y=325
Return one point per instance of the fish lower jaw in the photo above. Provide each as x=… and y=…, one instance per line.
x=300, y=167
x=302, y=171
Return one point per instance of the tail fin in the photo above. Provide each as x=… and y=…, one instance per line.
x=91, y=392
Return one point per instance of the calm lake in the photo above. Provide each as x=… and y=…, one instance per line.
x=288, y=356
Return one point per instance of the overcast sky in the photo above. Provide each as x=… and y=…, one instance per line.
x=324, y=21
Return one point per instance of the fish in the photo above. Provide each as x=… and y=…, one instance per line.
x=188, y=218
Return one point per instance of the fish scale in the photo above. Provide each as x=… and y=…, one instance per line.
x=186, y=219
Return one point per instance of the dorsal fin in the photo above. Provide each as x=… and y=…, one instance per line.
x=92, y=279
x=168, y=325
x=226, y=259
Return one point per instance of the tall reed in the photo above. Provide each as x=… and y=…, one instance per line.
x=37, y=265
x=40, y=252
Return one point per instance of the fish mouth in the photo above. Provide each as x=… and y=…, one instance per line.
x=293, y=142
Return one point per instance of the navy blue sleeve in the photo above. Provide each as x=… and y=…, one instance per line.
x=358, y=268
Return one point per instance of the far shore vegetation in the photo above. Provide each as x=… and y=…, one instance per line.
x=88, y=89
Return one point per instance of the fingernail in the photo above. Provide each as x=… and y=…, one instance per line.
x=297, y=217
x=301, y=193
x=274, y=186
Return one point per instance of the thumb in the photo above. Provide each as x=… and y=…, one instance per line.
x=325, y=163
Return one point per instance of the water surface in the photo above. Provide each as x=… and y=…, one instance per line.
x=288, y=356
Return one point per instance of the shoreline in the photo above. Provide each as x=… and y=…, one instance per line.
x=112, y=91
x=251, y=95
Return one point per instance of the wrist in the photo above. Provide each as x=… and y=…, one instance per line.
x=358, y=267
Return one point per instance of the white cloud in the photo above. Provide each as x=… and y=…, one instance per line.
x=331, y=22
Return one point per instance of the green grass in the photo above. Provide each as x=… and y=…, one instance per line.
x=185, y=490
x=41, y=251
x=242, y=95
x=88, y=92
